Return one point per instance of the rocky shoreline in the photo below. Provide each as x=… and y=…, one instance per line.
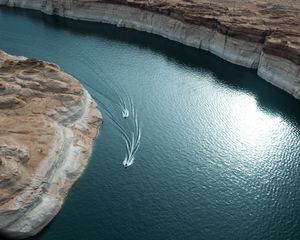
x=48, y=124
x=264, y=35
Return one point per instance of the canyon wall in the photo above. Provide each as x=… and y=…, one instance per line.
x=48, y=124
x=264, y=35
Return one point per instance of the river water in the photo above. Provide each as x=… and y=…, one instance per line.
x=218, y=156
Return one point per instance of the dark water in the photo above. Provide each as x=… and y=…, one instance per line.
x=219, y=155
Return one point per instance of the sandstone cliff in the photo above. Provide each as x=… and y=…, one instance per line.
x=276, y=24
x=48, y=123
x=260, y=34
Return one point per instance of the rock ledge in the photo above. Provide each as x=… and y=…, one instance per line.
x=48, y=124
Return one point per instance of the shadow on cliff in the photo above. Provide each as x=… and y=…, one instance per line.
x=268, y=97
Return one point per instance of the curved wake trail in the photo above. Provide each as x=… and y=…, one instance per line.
x=89, y=61
x=133, y=143
x=120, y=98
x=114, y=89
x=133, y=139
x=124, y=101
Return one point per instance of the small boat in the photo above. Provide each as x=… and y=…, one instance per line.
x=125, y=113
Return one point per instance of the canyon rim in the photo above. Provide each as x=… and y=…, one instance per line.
x=259, y=34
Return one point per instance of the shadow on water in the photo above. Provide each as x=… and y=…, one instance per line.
x=3, y=237
x=268, y=97
x=36, y=237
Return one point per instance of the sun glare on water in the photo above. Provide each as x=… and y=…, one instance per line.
x=251, y=122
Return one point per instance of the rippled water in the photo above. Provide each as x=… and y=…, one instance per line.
x=219, y=155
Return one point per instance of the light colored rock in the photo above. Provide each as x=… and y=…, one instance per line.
x=48, y=124
x=234, y=50
x=280, y=72
x=239, y=32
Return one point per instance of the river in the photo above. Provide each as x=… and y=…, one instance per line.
x=218, y=155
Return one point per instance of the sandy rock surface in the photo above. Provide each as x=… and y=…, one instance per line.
x=48, y=124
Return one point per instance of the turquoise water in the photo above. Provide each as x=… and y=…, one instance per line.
x=219, y=155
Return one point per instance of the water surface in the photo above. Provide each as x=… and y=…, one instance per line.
x=219, y=155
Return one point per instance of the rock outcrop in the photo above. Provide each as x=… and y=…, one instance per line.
x=48, y=124
x=260, y=34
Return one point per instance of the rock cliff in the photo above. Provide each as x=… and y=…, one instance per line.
x=48, y=124
x=276, y=24
x=260, y=34
x=48, y=121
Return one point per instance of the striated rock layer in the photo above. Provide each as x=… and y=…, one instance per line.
x=262, y=34
x=48, y=124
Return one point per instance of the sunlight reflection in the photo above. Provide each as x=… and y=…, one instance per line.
x=252, y=123
x=251, y=134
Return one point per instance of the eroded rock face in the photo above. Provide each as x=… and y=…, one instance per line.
x=259, y=34
x=274, y=23
x=14, y=176
x=48, y=123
